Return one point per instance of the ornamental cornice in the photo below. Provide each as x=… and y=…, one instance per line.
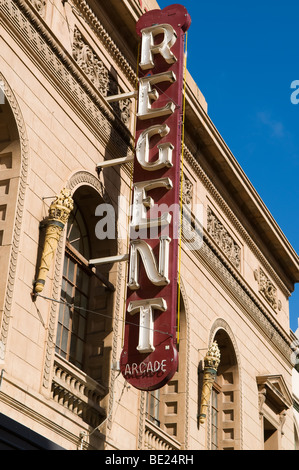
x=233, y=219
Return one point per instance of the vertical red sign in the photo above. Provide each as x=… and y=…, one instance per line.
x=149, y=357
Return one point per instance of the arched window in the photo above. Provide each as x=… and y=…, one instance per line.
x=225, y=398
x=86, y=309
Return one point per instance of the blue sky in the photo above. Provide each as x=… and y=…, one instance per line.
x=244, y=57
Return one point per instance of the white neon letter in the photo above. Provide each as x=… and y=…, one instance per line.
x=146, y=321
x=141, y=201
x=165, y=149
x=157, y=275
x=147, y=94
x=148, y=46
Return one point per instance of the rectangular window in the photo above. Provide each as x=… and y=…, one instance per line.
x=72, y=316
x=214, y=419
x=153, y=406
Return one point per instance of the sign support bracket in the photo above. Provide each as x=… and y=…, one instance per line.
x=121, y=96
x=114, y=162
x=108, y=259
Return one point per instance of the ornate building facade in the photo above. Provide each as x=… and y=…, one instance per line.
x=62, y=314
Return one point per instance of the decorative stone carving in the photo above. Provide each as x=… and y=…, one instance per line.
x=98, y=74
x=105, y=38
x=59, y=212
x=40, y=6
x=211, y=363
x=90, y=63
x=206, y=181
x=267, y=288
x=187, y=193
x=223, y=239
x=123, y=108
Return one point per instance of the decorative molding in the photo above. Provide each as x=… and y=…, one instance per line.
x=223, y=239
x=23, y=175
x=267, y=289
x=51, y=338
x=194, y=164
x=141, y=421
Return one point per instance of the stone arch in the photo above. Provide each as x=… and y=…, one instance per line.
x=11, y=258
x=77, y=182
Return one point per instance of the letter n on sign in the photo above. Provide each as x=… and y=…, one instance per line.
x=149, y=357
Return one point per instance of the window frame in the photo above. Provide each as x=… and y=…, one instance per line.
x=75, y=314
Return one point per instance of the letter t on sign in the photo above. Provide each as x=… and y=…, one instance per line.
x=146, y=322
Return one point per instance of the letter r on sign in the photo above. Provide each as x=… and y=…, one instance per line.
x=149, y=47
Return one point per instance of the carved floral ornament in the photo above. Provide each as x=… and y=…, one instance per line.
x=267, y=288
x=98, y=74
x=40, y=6
x=187, y=193
x=223, y=239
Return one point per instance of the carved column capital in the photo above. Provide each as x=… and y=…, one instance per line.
x=59, y=212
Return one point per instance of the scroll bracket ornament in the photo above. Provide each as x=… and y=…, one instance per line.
x=59, y=212
x=267, y=289
x=211, y=363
